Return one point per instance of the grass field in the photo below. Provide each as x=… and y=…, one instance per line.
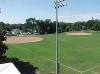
x=77, y=54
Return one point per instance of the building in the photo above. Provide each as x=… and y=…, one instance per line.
x=16, y=31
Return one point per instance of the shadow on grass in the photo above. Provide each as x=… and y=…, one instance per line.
x=23, y=67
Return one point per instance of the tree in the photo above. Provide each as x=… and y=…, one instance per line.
x=89, y=24
x=31, y=22
x=37, y=28
x=96, y=27
x=42, y=25
x=53, y=27
x=3, y=47
x=8, y=27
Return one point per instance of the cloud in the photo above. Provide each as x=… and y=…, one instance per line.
x=12, y=20
x=78, y=17
x=88, y=16
x=60, y=17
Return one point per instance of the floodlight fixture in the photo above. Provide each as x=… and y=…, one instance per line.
x=62, y=0
x=58, y=4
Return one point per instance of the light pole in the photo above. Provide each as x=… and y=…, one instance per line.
x=58, y=4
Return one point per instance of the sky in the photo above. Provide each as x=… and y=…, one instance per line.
x=17, y=11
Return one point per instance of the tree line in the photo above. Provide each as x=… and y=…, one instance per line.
x=49, y=27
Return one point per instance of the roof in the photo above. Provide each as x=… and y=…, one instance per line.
x=8, y=68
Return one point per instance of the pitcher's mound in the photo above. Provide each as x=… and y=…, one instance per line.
x=79, y=33
x=14, y=40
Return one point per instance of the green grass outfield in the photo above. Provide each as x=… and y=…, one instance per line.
x=77, y=54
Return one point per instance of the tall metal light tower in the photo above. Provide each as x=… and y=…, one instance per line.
x=58, y=4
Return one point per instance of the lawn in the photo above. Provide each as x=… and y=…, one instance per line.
x=77, y=54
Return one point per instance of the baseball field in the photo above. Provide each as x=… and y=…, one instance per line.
x=78, y=54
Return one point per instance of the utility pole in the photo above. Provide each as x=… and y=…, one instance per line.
x=0, y=10
x=58, y=4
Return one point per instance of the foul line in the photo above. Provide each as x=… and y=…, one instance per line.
x=90, y=69
x=60, y=63
x=95, y=72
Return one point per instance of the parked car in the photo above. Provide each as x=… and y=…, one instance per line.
x=25, y=33
x=37, y=33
